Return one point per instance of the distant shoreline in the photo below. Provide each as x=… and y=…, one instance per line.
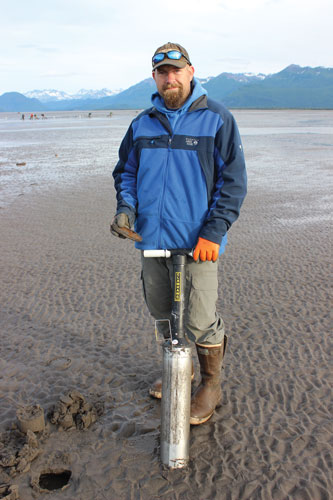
x=87, y=111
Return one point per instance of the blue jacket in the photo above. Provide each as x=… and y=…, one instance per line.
x=181, y=175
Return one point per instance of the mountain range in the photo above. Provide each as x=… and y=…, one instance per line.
x=293, y=87
x=51, y=95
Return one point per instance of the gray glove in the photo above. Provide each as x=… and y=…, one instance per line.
x=121, y=227
x=120, y=220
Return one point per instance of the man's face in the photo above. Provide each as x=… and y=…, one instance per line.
x=173, y=84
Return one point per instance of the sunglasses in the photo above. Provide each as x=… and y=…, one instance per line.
x=172, y=54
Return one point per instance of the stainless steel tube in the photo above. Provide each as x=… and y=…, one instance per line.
x=176, y=402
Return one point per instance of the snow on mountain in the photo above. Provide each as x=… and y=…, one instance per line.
x=260, y=76
x=205, y=80
x=245, y=77
x=95, y=94
x=49, y=95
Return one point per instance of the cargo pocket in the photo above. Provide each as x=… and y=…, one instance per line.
x=158, y=298
x=201, y=306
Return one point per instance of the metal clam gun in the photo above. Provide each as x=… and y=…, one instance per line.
x=177, y=367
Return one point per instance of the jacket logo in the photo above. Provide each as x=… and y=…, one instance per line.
x=191, y=141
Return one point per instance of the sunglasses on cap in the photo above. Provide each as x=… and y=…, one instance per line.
x=172, y=54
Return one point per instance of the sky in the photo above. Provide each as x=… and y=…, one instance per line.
x=93, y=44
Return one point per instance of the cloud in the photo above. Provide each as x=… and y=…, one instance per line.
x=56, y=74
x=108, y=43
x=245, y=4
x=39, y=48
x=234, y=60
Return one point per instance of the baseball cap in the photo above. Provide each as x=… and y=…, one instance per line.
x=167, y=47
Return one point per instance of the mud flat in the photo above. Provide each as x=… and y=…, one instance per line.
x=73, y=318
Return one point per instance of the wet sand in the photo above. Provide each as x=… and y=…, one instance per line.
x=73, y=318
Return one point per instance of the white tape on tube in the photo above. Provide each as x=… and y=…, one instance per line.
x=157, y=253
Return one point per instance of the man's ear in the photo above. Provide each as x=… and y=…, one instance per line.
x=191, y=68
x=153, y=74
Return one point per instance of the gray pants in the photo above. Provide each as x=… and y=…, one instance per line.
x=202, y=323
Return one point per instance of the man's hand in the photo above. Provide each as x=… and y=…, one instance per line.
x=206, y=250
x=121, y=228
x=120, y=220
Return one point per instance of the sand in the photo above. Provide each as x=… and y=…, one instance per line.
x=73, y=319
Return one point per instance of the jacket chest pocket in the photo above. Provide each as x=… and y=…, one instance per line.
x=158, y=141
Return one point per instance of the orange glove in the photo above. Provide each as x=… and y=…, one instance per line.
x=206, y=250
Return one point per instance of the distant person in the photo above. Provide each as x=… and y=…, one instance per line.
x=180, y=182
x=31, y=116
x=22, y=117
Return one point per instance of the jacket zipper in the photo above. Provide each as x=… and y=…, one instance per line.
x=166, y=171
x=171, y=135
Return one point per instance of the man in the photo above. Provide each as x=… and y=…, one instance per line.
x=180, y=182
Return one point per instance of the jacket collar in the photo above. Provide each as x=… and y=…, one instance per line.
x=199, y=103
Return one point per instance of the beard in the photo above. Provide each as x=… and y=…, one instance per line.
x=173, y=99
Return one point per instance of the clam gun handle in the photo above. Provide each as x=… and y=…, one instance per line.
x=168, y=253
x=179, y=257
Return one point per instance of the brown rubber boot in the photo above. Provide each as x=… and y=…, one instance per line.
x=208, y=395
x=156, y=388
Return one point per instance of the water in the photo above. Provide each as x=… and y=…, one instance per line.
x=290, y=150
x=62, y=149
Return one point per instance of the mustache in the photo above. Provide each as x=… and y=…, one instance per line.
x=172, y=86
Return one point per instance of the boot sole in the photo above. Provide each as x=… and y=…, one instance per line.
x=158, y=395
x=198, y=421
x=154, y=394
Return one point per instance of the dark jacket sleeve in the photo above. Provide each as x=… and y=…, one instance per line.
x=125, y=175
x=230, y=184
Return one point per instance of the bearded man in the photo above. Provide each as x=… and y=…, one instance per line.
x=181, y=181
